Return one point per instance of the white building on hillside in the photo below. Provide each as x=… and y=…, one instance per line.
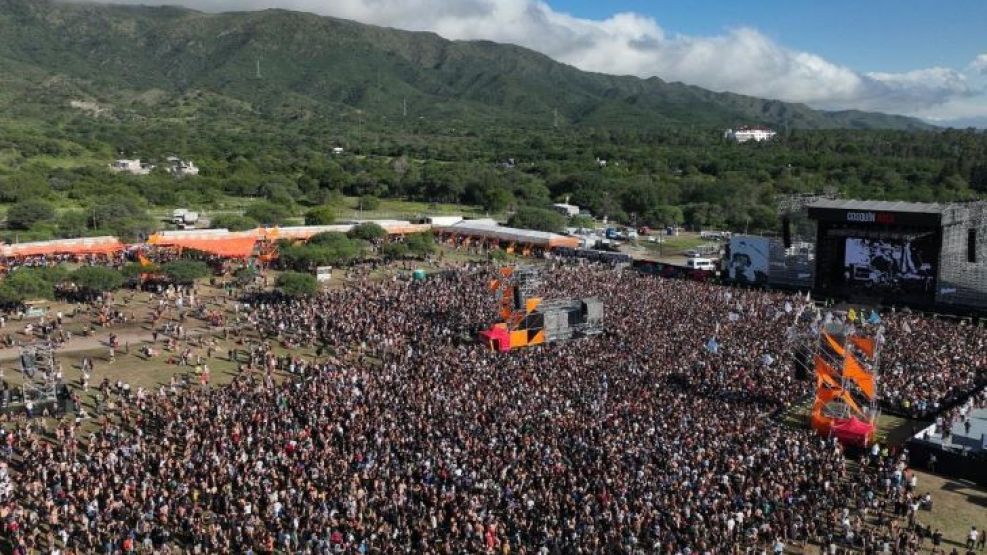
x=181, y=168
x=566, y=209
x=745, y=134
x=134, y=167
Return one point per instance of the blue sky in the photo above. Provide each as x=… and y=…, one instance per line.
x=915, y=57
x=867, y=35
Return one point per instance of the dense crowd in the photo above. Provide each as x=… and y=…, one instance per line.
x=403, y=435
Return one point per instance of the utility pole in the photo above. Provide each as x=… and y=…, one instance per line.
x=258, y=68
x=404, y=106
x=555, y=118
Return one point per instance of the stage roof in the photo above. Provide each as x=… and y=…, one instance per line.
x=878, y=206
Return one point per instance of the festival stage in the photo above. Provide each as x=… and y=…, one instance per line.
x=963, y=454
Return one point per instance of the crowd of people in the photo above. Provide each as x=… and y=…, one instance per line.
x=397, y=433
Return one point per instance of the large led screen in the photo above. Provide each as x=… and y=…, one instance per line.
x=890, y=266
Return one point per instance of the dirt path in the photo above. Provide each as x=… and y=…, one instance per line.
x=101, y=340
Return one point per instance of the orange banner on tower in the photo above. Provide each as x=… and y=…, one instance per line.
x=865, y=344
x=853, y=370
x=834, y=345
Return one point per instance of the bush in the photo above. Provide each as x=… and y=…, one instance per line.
x=538, y=219
x=394, y=251
x=135, y=269
x=24, y=284
x=93, y=280
x=245, y=275
x=185, y=271
x=320, y=215
x=233, y=222
x=322, y=249
x=368, y=202
x=421, y=244
x=297, y=284
x=26, y=213
x=267, y=213
x=368, y=231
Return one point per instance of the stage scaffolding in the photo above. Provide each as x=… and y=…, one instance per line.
x=963, y=258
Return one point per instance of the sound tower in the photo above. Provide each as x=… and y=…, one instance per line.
x=786, y=231
x=971, y=245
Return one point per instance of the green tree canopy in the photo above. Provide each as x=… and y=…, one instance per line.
x=233, y=222
x=538, y=219
x=368, y=202
x=26, y=213
x=185, y=271
x=320, y=215
x=420, y=244
x=26, y=283
x=93, y=280
x=297, y=284
x=267, y=213
x=368, y=231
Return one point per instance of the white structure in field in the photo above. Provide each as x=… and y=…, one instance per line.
x=134, y=167
x=566, y=209
x=181, y=168
x=745, y=134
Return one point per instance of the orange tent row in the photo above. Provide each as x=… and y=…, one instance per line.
x=80, y=246
x=241, y=244
x=220, y=242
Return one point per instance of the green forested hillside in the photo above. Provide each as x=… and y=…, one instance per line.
x=329, y=66
x=81, y=85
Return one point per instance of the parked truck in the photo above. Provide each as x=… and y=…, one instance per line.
x=184, y=218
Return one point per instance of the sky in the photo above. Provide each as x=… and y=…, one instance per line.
x=921, y=58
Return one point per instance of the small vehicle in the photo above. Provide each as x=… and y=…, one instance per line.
x=700, y=264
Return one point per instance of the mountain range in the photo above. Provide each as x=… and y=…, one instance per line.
x=140, y=61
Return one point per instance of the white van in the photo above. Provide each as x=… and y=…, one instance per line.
x=700, y=264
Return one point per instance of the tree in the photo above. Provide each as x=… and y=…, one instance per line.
x=233, y=222
x=420, y=244
x=185, y=271
x=297, y=284
x=582, y=221
x=394, y=251
x=538, y=219
x=27, y=283
x=245, y=275
x=26, y=213
x=135, y=269
x=323, y=249
x=497, y=199
x=320, y=215
x=368, y=202
x=267, y=213
x=93, y=280
x=368, y=231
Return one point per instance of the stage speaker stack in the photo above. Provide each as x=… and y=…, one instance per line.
x=971, y=245
x=786, y=231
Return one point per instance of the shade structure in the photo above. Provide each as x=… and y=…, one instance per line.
x=79, y=246
x=222, y=243
x=853, y=431
x=498, y=338
x=490, y=231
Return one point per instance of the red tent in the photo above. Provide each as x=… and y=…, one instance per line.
x=497, y=337
x=853, y=431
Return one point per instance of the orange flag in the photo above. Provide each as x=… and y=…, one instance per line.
x=865, y=344
x=853, y=370
x=834, y=345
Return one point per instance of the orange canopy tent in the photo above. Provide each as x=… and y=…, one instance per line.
x=79, y=246
x=227, y=245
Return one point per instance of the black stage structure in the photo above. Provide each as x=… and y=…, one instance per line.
x=923, y=255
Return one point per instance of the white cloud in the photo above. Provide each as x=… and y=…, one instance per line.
x=740, y=60
x=979, y=64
